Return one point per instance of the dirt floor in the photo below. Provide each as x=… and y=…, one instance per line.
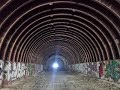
x=62, y=81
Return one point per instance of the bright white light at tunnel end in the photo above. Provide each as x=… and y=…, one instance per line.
x=55, y=65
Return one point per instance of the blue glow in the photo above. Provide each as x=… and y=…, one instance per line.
x=55, y=65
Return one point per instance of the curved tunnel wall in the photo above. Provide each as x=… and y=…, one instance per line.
x=82, y=30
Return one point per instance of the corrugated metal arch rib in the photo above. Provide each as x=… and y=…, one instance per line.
x=96, y=24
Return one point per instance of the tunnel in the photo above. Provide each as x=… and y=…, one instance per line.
x=55, y=62
x=79, y=37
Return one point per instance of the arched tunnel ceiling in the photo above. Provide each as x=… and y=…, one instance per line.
x=79, y=30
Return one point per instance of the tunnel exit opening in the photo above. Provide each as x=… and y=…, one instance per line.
x=55, y=63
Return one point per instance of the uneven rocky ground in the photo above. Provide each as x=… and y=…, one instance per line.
x=62, y=81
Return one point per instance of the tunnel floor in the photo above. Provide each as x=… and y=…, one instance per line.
x=62, y=81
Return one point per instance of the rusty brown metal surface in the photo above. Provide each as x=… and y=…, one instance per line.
x=82, y=30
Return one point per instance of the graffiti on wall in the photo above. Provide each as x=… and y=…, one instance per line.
x=82, y=68
x=1, y=71
x=88, y=68
x=38, y=68
x=12, y=71
x=113, y=70
x=31, y=68
x=15, y=70
x=109, y=70
x=92, y=69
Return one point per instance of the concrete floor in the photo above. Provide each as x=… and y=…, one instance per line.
x=62, y=81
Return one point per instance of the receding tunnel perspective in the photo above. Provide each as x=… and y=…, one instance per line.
x=55, y=63
x=59, y=44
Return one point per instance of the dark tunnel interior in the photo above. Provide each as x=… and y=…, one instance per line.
x=55, y=62
x=42, y=33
